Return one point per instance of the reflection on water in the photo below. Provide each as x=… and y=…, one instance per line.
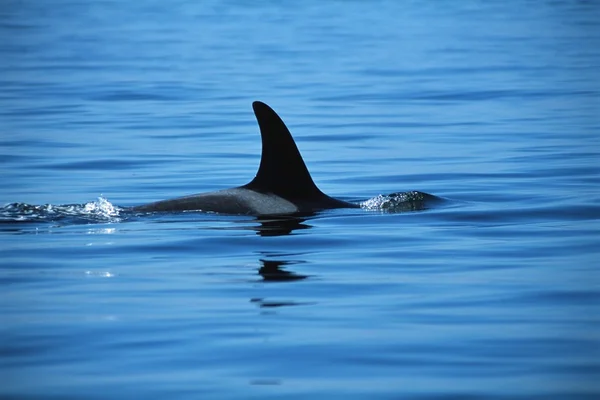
x=272, y=271
x=281, y=224
x=277, y=271
x=262, y=303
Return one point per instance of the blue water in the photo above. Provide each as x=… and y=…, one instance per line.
x=492, y=293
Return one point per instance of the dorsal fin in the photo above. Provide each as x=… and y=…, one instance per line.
x=282, y=170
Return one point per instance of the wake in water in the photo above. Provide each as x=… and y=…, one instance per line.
x=99, y=211
x=102, y=211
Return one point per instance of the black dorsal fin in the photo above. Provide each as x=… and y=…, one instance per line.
x=282, y=170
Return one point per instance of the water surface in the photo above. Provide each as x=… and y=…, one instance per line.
x=492, y=293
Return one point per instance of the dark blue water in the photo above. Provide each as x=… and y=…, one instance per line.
x=493, y=292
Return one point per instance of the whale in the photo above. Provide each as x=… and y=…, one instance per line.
x=282, y=184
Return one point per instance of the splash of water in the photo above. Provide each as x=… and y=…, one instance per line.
x=102, y=208
x=400, y=201
x=98, y=211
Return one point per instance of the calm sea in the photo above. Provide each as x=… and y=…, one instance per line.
x=492, y=292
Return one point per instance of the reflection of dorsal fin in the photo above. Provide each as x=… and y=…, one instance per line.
x=282, y=170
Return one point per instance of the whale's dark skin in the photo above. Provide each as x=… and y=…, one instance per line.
x=282, y=184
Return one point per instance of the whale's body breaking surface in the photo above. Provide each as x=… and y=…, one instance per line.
x=282, y=184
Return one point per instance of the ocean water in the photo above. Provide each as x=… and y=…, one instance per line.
x=492, y=292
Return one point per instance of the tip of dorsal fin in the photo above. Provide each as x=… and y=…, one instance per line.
x=282, y=170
